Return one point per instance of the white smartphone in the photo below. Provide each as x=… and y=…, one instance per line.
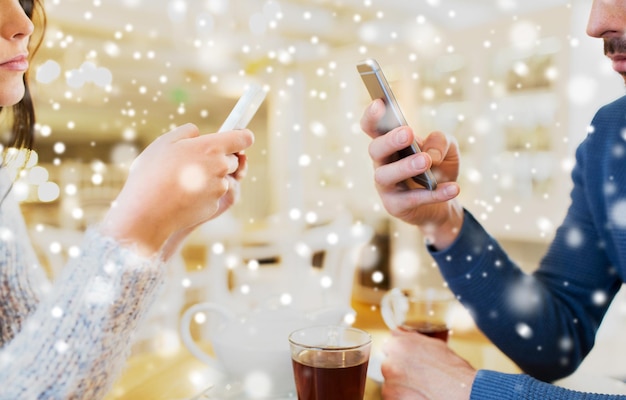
x=379, y=88
x=244, y=109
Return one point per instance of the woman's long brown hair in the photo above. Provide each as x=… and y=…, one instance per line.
x=23, y=128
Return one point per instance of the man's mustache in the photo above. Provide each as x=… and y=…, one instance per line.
x=614, y=45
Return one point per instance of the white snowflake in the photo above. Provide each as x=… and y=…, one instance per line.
x=566, y=344
x=574, y=238
x=524, y=331
x=99, y=292
x=57, y=312
x=617, y=214
x=524, y=297
x=61, y=346
x=599, y=297
x=193, y=178
x=258, y=385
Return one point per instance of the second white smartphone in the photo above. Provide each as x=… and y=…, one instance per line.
x=378, y=88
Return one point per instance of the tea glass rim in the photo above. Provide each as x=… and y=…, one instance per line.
x=426, y=295
x=293, y=341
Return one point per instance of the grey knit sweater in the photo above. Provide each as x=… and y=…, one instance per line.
x=67, y=339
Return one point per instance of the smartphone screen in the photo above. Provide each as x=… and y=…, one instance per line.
x=378, y=88
x=244, y=109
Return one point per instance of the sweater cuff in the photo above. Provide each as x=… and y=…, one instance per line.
x=494, y=385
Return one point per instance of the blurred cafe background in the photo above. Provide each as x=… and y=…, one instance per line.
x=515, y=81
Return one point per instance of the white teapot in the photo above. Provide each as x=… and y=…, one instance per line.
x=252, y=350
x=314, y=266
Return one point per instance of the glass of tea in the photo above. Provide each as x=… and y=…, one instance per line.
x=424, y=310
x=330, y=362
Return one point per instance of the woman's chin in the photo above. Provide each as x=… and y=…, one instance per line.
x=11, y=94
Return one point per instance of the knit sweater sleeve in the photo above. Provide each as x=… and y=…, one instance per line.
x=546, y=321
x=491, y=385
x=76, y=341
x=69, y=339
x=498, y=316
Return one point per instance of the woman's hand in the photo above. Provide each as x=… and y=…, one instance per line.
x=419, y=367
x=435, y=212
x=178, y=182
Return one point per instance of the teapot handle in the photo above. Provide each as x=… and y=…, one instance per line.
x=185, y=332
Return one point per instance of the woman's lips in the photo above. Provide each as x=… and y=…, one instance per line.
x=19, y=63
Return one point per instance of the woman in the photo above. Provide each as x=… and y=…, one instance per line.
x=70, y=339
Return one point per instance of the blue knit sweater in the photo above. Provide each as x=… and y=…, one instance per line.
x=546, y=322
x=67, y=339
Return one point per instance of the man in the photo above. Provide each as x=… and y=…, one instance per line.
x=549, y=334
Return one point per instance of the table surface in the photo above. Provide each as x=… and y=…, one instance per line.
x=179, y=375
